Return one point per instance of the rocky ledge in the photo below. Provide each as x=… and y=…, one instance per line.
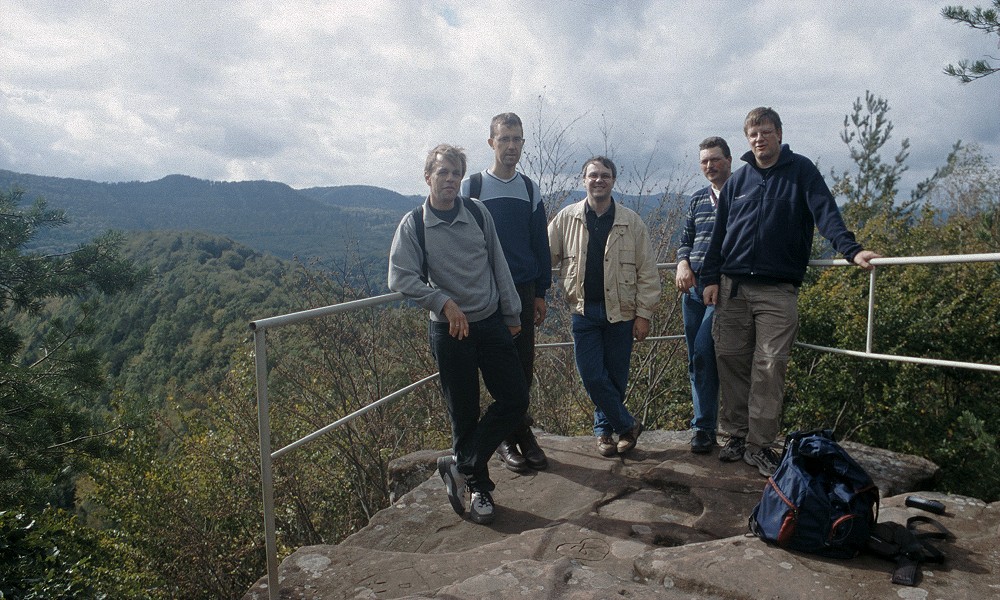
x=661, y=523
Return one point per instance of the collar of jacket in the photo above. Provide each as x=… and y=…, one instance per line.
x=784, y=158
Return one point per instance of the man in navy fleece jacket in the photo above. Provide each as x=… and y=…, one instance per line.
x=752, y=272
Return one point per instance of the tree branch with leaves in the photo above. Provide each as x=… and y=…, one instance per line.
x=986, y=20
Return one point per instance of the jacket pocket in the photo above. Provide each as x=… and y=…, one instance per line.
x=732, y=323
x=626, y=276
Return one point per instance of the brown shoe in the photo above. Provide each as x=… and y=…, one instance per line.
x=512, y=459
x=627, y=440
x=606, y=445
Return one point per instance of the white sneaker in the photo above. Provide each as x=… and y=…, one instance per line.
x=454, y=482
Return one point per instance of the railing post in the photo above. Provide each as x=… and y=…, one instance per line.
x=871, y=309
x=266, y=477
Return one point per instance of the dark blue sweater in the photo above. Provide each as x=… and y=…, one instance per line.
x=765, y=220
x=521, y=224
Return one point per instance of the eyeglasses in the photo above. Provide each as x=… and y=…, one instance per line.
x=599, y=176
x=507, y=140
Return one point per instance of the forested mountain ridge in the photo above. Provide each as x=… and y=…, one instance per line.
x=177, y=334
x=325, y=223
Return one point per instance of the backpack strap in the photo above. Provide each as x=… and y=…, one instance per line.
x=908, y=546
x=418, y=227
x=476, y=184
x=527, y=184
x=931, y=553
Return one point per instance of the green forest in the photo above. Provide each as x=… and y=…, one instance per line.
x=129, y=461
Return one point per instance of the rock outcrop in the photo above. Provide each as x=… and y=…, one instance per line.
x=662, y=523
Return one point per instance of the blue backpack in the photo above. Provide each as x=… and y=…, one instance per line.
x=819, y=500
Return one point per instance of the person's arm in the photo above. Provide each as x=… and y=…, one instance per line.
x=540, y=248
x=684, y=276
x=712, y=265
x=555, y=242
x=825, y=212
x=647, y=277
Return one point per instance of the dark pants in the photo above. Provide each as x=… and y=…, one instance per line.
x=525, y=341
x=488, y=349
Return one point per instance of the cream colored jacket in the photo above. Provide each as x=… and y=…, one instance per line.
x=631, y=280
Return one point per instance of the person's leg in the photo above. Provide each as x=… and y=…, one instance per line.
x=503, y=377
x=617, y=360
x=459, y=378
x=525, y=341
x=701, y=362
x=521, y=449
x=776, y=319
x=589, y=346
x=706, y=376
x=733, y=333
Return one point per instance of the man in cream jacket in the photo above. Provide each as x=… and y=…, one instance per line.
x=608, y=273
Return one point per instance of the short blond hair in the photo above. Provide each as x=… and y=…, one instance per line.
x=445, y=152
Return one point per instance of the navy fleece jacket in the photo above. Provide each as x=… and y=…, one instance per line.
x=765, y=221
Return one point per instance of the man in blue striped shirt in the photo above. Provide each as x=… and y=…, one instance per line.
x=716, y=164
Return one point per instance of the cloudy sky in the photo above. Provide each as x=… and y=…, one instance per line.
x=314, y=93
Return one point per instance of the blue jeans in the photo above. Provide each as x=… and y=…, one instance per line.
x=603, y=352
x=701, y=360
x=489, y=349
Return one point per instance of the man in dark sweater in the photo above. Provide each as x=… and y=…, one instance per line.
x=459, y=275
x=755, y=264
x=515, y=203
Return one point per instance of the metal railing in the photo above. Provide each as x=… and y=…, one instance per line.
x=261, y=326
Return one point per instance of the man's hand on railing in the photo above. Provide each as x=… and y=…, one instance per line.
x=458, y=325
x=861, y=259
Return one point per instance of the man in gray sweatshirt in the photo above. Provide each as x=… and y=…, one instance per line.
x=446, y=257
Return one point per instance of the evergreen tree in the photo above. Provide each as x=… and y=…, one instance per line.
x=48, y=421
x=986, y=20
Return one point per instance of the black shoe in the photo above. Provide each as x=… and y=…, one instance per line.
x=530, y=449
x=702, y=442
x=512, y=459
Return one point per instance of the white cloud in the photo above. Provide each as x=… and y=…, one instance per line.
x=329, y=93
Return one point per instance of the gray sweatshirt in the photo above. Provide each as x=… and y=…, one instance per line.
x=464, y=264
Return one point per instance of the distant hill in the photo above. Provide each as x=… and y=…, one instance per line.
x=344, y=228
x=324, y=223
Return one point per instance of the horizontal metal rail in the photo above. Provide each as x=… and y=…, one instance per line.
x=354, y=415
x=260, y=327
